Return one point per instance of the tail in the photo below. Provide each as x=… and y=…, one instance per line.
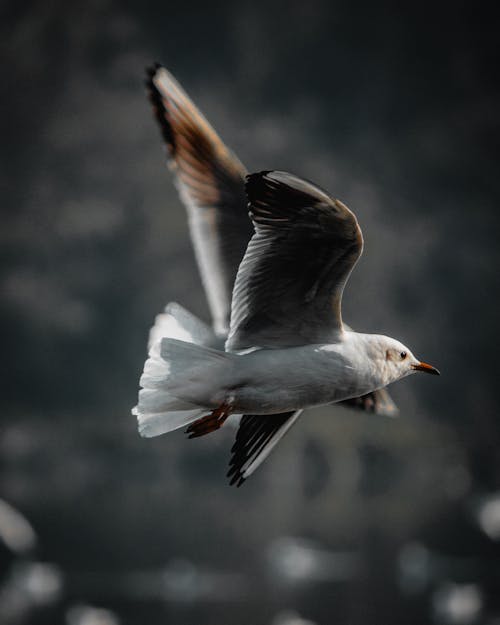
x=178, y=323
x=179, y=377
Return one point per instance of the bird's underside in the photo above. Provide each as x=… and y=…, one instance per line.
x=211, y=183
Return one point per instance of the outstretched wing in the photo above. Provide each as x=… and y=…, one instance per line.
x=289, y=286
x=256, y=437
x=210, y=180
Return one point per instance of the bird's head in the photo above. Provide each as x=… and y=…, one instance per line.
x=398, y=361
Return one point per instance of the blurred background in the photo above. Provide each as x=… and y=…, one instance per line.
x=354, y=519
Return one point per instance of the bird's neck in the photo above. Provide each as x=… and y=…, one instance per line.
x=365, y=353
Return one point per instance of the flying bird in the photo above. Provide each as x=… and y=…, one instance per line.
x=274, y=253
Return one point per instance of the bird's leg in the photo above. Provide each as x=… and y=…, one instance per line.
x=210, y=422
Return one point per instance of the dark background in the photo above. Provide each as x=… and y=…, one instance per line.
x=354, y=520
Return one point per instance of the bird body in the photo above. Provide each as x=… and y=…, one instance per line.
x=275, y=252
x=271, y=381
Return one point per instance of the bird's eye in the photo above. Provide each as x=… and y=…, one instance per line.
x=403, y=355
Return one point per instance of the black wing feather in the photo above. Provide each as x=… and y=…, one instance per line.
x=253, y=435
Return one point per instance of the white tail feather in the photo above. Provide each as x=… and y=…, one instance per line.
x=194, y=371
x=169, y=399
x=154, y=424
x=158, y=411
x=178, y=323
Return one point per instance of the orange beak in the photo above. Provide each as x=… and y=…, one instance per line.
x=423, y=366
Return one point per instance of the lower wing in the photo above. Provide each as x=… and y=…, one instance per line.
x=256, y=437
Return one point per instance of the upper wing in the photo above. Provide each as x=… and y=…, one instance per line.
x=289, y=286
x=210, y=180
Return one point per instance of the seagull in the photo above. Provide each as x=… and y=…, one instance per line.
x=274, y=285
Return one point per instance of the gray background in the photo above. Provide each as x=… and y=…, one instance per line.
x=393, y=110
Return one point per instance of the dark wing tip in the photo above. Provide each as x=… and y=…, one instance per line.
x=252, y=438
x=152, y=69
x=158, y=107
x=237, y=478
x=256, y=178
x=282, y=196
x=260, y=181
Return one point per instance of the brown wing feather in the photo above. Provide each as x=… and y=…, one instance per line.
x=210, y=180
